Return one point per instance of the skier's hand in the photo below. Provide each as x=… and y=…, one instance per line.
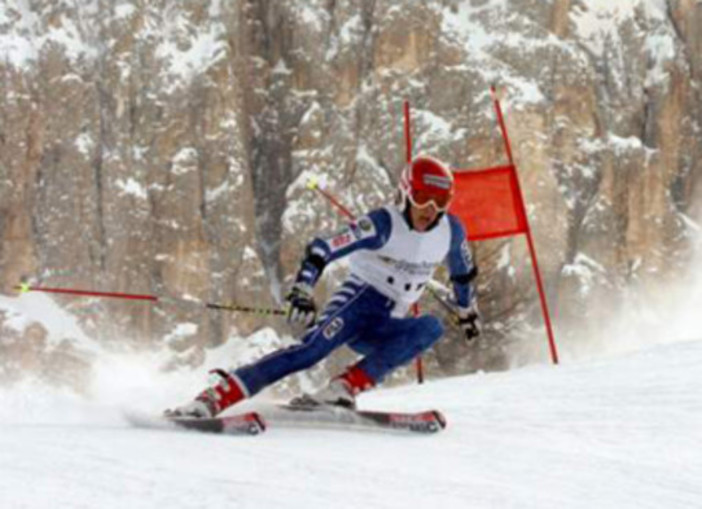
x=301, y=306
x=469, y=322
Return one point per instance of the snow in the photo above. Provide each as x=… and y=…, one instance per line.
x=596, y=21
x=184, y=161
x=466, y=26
x=690, y=223
x=22, y=38
x=132, y=188
x=621, y=433
x=222, y=190
x=433, y=129
x=187, y=51
x=660, y=47
x=246, y=350
x=623, y=144
x=215, y=8
x=281, y=68
x=316, y=16
x=351, y=30
x=182, y=330
x=363, y=156
x=463, y=23
x=138, y=152
x=18, y=48
x=504, y=261
x=125, y=10
x=85, y=144
x=314, y=110
x=619, y=426
x=250, y=253
x=302, y=210
x=35, y=307
x=585, y=269
x=599, y=22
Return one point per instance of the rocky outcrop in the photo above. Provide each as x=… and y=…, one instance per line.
x=160, y=147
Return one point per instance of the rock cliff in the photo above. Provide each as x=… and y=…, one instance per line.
x=164, y=146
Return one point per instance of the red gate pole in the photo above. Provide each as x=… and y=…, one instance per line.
x=419, y=364
x=530, y=240
x=408, y=132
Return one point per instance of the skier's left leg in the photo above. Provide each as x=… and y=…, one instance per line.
x=395, y=343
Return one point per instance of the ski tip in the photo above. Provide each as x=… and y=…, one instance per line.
x=258, y=423
x=250, y=423
x=440, y=419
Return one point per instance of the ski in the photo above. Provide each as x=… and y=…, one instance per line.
x=250, y=423
x=300, y=416
x=334, y=417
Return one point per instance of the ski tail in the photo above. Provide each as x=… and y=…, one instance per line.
x=336, y=417
x=430, y=421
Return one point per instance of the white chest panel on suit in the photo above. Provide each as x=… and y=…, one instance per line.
x=402, y=267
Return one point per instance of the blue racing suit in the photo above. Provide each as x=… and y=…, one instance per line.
x=368, y=311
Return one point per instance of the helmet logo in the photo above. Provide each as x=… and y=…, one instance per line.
x=437, y=181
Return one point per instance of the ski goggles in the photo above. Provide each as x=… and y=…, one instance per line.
x=421, y=199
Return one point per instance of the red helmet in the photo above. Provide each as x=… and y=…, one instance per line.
x=426, y=181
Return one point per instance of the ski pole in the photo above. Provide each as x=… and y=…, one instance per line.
x=447, y=307
x=246, y=309
x=313, y=184
x=26, y=288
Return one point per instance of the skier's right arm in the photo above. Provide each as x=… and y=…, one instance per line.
x=368, y=232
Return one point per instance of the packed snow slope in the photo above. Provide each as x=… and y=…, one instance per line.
x=623, y=432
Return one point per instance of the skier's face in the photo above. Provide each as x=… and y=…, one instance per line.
x=423, y=218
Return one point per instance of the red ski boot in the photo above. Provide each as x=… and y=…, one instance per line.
x=213, y=400
x=341, y=390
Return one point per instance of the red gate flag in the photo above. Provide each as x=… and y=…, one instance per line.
x=489, y=203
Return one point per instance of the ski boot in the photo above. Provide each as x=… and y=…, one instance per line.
x=213, y=400
x=341, y=391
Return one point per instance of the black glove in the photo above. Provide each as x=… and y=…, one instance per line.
x=301, y=306
x=469, y=322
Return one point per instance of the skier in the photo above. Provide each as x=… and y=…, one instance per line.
x=393, y=251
